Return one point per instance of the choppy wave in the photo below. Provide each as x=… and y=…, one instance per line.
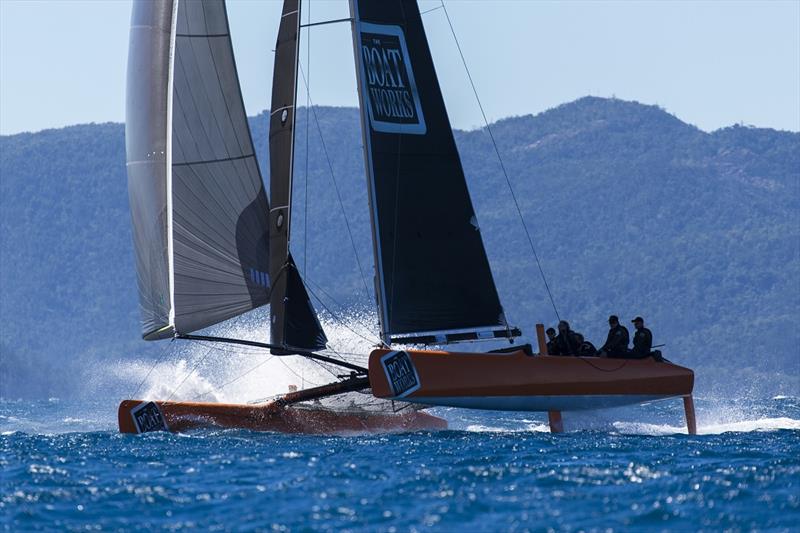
x=529, y=427
x=643, y=428
x=714, y=417
x=494, y=471
x=743, y=426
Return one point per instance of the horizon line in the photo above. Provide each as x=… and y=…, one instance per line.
x=470, y=129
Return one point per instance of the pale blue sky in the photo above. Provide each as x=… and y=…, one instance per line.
x=712, y=64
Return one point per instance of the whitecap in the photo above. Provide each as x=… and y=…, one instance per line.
x=741, y=426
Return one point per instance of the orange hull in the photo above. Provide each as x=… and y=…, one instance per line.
x=181, y=416
x=515, y=381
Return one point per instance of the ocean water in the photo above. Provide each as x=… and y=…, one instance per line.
x=65, y=467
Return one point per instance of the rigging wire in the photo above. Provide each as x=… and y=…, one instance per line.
x=341, y=355
x=335, y=184
x=233, y=350
x=338, y=304
x=502, y=165
x=368, y=399
x=308, y=123
x=324, y=367
x=152, y=367
x=218, y=389
x=195, y=367
x=431, y=9
x=337, y=319
x=303, y=379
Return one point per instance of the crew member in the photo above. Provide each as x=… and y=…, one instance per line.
x=642, y=340
x=552, y=344
x=566, y=340
x=585, y=348
x=617, y=341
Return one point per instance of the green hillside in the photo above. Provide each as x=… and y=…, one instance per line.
x=633, y=212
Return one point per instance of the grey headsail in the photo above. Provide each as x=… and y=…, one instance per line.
x=146, y=147
x=198, y=204
x=433, y=277
x=294, y=323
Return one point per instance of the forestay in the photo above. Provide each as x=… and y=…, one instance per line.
x=433, y=278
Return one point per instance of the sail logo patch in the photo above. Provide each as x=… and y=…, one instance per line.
x=259, y=278
x=147, y=417
x=400, y=373
x=388, y=81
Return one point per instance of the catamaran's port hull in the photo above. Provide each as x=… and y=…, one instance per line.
x=518, y=382
x=182, y=416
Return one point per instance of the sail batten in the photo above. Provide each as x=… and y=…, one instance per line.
x=432, y=272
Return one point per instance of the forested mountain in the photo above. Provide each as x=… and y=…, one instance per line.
x=633, y=212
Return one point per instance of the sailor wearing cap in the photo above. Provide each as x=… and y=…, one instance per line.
x=642, y=339
x=567, y=341
x=617, y=341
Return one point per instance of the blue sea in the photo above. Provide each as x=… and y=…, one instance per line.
x=65, y=467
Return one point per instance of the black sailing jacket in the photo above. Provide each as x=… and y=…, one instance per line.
x=617, y=341
x=567, y=343
x=552, y=347
x=642, y=342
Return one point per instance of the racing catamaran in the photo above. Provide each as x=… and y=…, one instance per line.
x=210, y=246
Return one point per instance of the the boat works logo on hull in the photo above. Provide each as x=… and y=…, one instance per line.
x=401, y=373
x=147, y=417
x=389, y=86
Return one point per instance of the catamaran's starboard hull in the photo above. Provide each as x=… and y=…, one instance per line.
x=517, y=382
x=537, y=403
x=137, y=416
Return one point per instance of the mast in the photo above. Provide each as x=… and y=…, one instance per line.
x=380, y=295
x=294, y=323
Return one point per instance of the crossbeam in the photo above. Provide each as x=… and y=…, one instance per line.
x=324, y=391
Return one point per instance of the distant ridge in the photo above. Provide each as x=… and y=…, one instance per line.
x=634, y=212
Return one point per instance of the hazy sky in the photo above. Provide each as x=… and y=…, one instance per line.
x=712, y=64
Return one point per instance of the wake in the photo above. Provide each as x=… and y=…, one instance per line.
x=715, y=416
x=215, y=372
x=742, y=426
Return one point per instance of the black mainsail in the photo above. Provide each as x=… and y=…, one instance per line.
x=198, y=203
x=294, y=323
x=434, y=283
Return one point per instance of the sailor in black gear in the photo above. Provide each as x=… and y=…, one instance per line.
x=552, y=345
x=617, y=341
x=585, y=348
x=566, y=340
x=642, y=340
